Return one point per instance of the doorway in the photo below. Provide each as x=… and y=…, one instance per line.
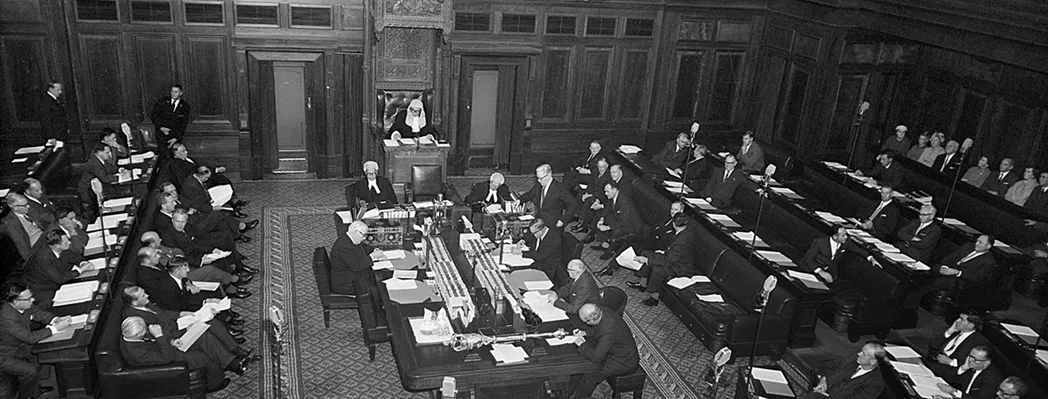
x=289, y=93
x=286, y=111
x=490, y=119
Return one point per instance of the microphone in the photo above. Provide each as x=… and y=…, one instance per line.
x=768, y=173
x=762, y=298
x=967, y=145
x=863, y=107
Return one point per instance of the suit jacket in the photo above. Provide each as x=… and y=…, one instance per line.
x=589, y=161
x=885, y=222
x=611, y=344
x=16, y=334
x=159, y=352
x=951, y=168
x=596, y=185
x=547, y=255
x=892, y=175
x=95, y=168
x=171, y=117
x=1038, y=201
x=697, y=169
x=45, y=272
x=196, y=193
x=819, y=256
x=53, y=120
x=191, y=248
x=479, y=193
x=622, y=215
x=581, y=291
x=670, y=156
x=558, y=204
x=43, y=212
x=984, y=387
x=164, y=291
x=10, y=226
x=167, y=319
x=1001, y=186
x=753, y=159
x=179, y=170
x=960, y=354
x=977, y=269
x=721, y=190
x=359, y=191
x=928, y=237
x=77, y=243
x=840, y=385
x=349, y=262
x=679, y=255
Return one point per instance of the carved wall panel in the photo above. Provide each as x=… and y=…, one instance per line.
x=406, y=56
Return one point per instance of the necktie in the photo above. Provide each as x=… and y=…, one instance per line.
x=726, y=173
x=945, y=161
x=542, y=198
x=1000, y=179
x=878, y=210
x=969, y=257
x=972, y=382
x=538, y=241
x=835, y=250
x=174, y=105
x=952, y=345
x=745, y=149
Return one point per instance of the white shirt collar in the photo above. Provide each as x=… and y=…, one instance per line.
x=29, y=197
x=177, y=281
x=52, y=96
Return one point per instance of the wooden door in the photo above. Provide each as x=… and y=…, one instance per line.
x=490, y=117
x=286, y=110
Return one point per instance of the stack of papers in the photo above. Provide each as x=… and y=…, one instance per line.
x=395, y=254
x=139, y=158
x=221, y=194
x=542, y=307
x=777, y=258
x=787, y=192
x=406, y=274
x=118, y=202
x=629, y=149
x=1023, y=332
x=835, y=165
x=886, y=248
x=912, y=369
x=714, y=298
x=74, y=293
x=928, y=387
x=773, y=381
x=508, y=354
x=723, y=220
x=625, y=259
x=538, y=285
x=748, y=238
x=681, y=283
x=899, y=257
x=829, y=217
x=700, y=203
x=394, y=284
x=29, y=150
x=382, y=265
x=808, y=279
x=902, y=352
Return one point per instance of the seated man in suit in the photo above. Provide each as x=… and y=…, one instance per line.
x=582, y=289
x=47, y=270
x=723, y=182
x=218, y=227
x=413, y=123
x=1012, y=388
x=171, y=288
x=159, y=349
x=750, y=155
x=371, y=190
x=40, y=207
x=206, y=262
x=660, y=238
x=352, y=258
x=920, y=237
x=181, y=166
x=492, y=191
x=950, y=160
x=592, y=198
x=999, y=183
x=551, y=198
x=972, y=263
x=69, y=224
x=824, y=254
x=976, y=378
x=862, y=382
x=195, y=189
x=606, y=341
x=1038, y=201
x=675, y=261
x=673, y=153
x=697, y=170
x=880, y=221
x=544, y=248
x=581, y=171
x=217, y=342
x=619, y=221
x=17, y=338
x=886, y=172
x=948, y=351
x=98, y=167
x=24, y=231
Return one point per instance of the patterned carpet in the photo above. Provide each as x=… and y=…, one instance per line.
x=332, y=362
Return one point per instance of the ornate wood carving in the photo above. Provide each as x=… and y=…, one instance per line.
x=406, y=55
x=429, y=14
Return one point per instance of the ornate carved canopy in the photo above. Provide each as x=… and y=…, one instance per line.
x=431, y=14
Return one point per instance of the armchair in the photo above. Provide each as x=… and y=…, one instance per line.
x=426, y=183
x=392, y=102
x=328, y=299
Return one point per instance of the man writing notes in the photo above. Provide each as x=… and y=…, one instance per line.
x=920, y=237
x=544, y=248
x=553, y=203
x=848, y=382
x=581, y=290
x=660, y=266
x=351, y=259
x=606, y=341
x=750, y=155
x=17, y=338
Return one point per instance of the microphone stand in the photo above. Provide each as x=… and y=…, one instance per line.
x=762, y=302
x=760, y=210
x=855, y=136
x=953, y=187
x=687, y=159
x=1037, y=344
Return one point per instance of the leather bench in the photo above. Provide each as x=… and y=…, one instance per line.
x=869, y=305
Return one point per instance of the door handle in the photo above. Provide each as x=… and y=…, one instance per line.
x=309, y=103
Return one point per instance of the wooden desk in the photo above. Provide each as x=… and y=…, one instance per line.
x=1017, y=357
x=398, y=159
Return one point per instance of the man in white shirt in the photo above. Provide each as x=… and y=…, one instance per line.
x=976, y=378
x=947, y=351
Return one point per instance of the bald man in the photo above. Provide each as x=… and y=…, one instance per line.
x=606, y=341
x=493, y=191
x=40, y=208
x=159, y=350
x=581, y=290
x=372, y=189
x=24, y=231
x=351, y=259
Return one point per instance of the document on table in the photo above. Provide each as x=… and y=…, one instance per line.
x=19, y=160
x=1042, y=355
x=192, y=335
x=714, y=298
x=626, y=259
x=346, y=216
x=139, y=158
x=700, y=203
x=405, y=274
x=98, y=263
x=673, y=173
x=776, y=257
x=407, y=141
x=672, y=184
x=680, y=283
x=912, y=369
x=802, y=275
x=29, y=150
x=395, y=254
x=834, y=165
x=538, y=285
x=117, y=202
x=59, y=336
x=207, y=285
x=723, y=220
x=748, y=238
x=390, y=143
x=542, y=307
x=514, y=260
x=787, y=192
x=123, y=161
x=382, y=265
x=220, y=195
x=899, y=257
x=773, y=381
x=394, y=284
x=629, y=149
x=1019, y=329
x=902, y=352
x=508, y=354
x=560, y=341
x=829, y=217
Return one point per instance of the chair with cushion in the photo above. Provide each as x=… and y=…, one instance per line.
x=328, y=299
x=613, y=298
x=427, y=181
x=372, y=316
x=392, y=102
x=632, y=382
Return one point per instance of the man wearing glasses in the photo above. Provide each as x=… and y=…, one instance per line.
x=860, y=380
x=17, y=339
x=24, y=231
x=723, y=182
x=920, y=236
x=948, y=351
x=351, y=259
x=553, y=202
x=976, y=378
x=1011, y=388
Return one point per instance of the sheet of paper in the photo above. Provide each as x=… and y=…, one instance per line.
x=405, y=274
x=629, y=149
x=192, y=335
x=29, y=150
x=207, y=285
x=508, y=354
x=78, y=320
x=626, y=259
x=390, y=143
x=117, y=202
x=19, y=160
x=899, y=257
x=723, y=154
x=512, y=260
x=60, y=336
x=912, y=369
x=775, y=256
x=680, y=282
x=560, y=341
x=123, y=161
x=829, y=217
x=113, y=220
x=700, y=203
x=787, y=192
x=1043, y=356
x=802, y=275
x=673, y=173
x=700, y=279
x=394, y=284
x=834, y=165
x=395, y=254
x=408, y=141
x=764, y=374
x=711, y=298
x=720, y=217
x=3, y=192
x=538, y=285
x=526, y=217
x=902, y=352
x=345, y=216
x=221, y=194
x=1019, y=329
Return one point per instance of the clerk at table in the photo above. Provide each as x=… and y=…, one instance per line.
x=351, y=259
x=608, y=343
x=582, y=289
x=372, y=189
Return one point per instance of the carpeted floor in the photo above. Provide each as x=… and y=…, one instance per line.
x=332, y=362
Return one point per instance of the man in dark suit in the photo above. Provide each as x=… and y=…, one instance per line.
x=17, y=335
x=920, y=237
x=977, y=378
x=673, y=153
x=46, y=270
x=607, y=341
x=886, y=172
x=24, y=231
x=949, y=161
x=551, y=198
x=697, y=170
x=880, y=219
x=824, y=255
x=98, y=167
x=196, y=192
x=581, y=170
x=372, y=189
x=1038, y=201
x=592, y=198
x=582, y=289
x=620, y=220
x=492, y=191
x=54, y=122
x=972, y=263
x=220, y=227
x=68, y=223
x=204, y=259
x=158, y=349
x=40, y=207
x=170, y=116
x=170, y=288
x=949, y=350
x=352, y=258
x=182, y=166
x=544, y=248
x=723, y=182
x=848, y=382
x=676, y=260
x=999, y=183
x=750, y=154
